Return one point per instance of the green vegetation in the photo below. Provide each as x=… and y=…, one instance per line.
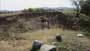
x=35, y=10
x=82, y=6
x=85, y=5
x=83, y=22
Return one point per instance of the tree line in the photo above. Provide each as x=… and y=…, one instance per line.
x=82, y=6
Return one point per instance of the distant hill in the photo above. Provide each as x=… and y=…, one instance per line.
x=6, y=11
x=46, y=9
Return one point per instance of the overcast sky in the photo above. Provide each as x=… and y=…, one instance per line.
x=21, y=4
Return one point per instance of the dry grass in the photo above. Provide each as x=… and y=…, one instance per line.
x=24, y=44
x=9, y=14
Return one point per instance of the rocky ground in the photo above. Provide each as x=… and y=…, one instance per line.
x=23, y=41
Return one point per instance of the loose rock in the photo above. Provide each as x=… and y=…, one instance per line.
x=36, y=45
x=46, y=47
